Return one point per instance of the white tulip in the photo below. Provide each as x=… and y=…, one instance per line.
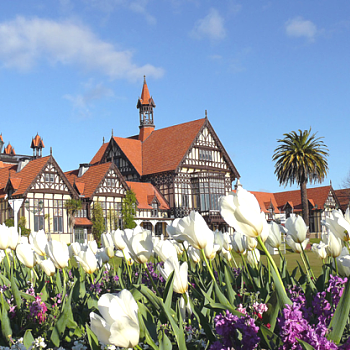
x=274, y=238
x=297, y=247
x=87, y=261
x=14, y=238
x=101, y=256
x=4, y=237
x=39, y=242
x=140, y=245
x=195, y=230
x=219, y=239
x=74, y=249
x=253, y=257
x=118, y=239
x=333, y=244
x=175, y=231
x=194, y=254
x=180, y=274
x=347, y=215
x=242, y=212
x=338, y=225
x=296, y=227
x=251, y=243
x=119, y=324
x=25, y=254
x=165, y=249
x=227, y=241
x=58, y=253
x=93, y=246
x=107, y=243
x=239, y=242
x=226, y=254
x=46, y=265
x=320, y=250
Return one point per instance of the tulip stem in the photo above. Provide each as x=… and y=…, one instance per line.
x=137, y=347
x=208, y=266
x=234, y=260
x=248, y=272
x=310, y=272
x=127, y=266
x=272, y=263
x=336, y=265
x=152, y=281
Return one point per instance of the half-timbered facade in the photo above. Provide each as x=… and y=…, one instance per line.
x=44, y=189
x=186, y=163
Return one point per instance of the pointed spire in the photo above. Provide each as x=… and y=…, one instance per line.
x=145, y=96
x=50, y=151
x=112, y=132
x=206, y=114
x=103, y=140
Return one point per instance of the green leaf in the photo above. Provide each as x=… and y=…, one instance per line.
x=15, y=292
x=272, y=341
x=147, y=326
x=93, y=341
x=164, y=342
x=281, y=292
x=28, y=339
x=305, y=345
x=341, y=316
x=6, y=329
x=273, y=308
x=168, y=291
x=64, y=320
x=228, y=280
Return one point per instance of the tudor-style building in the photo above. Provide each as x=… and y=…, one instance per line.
x=44, y=189
x=186, y=163
x=278, y=206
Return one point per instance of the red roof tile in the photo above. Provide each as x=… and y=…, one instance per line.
x=165, y=148
x=91, y=178
x=144, y=191
x=133, y=151
x=98, y=156
x=15, y=182
x=264, y=199
x=343, y=196
x=82, y=222
x=145, y=95
x=80, y=187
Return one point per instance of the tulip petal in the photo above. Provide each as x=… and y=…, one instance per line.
x=100, y=327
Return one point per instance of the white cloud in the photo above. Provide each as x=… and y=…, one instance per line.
x=83, y=103
x=211, y=26
x=299, y=27
x=26, y=41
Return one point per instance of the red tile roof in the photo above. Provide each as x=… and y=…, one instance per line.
x=23, y=179
x=82, y=222
x=98, y=156
x=264, y=199
x=1, y=139
x=144, y=191
x=165, y=148
x=316, y=196
x=91, y=179
x=343, y=196
x=133, y=151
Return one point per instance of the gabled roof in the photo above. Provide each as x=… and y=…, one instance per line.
x=265, y=199
x=144, y=192
x=98, y=156
x=133, y=151
x=165, y=148
x=82, y=222
x=343, y=196
x=92, y=178
x=21, y=181
x=316, y=196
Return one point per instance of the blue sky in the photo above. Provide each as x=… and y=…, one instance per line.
x=73, y=70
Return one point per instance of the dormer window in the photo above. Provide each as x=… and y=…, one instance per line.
x=154, y=209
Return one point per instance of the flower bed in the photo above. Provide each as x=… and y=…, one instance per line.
x=187, y=292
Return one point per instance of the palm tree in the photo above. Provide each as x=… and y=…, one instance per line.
x=301, y=158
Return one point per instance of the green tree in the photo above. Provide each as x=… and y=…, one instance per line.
x=10, y=222
x=129, y=209
x=72, y=205
x=301, y=158
x=98, y=221
x=22, y=225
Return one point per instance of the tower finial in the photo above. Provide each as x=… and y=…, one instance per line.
x=103, y=140
x=206, y=114
x=50, y=151
x=112, y=132
x=144, y=79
